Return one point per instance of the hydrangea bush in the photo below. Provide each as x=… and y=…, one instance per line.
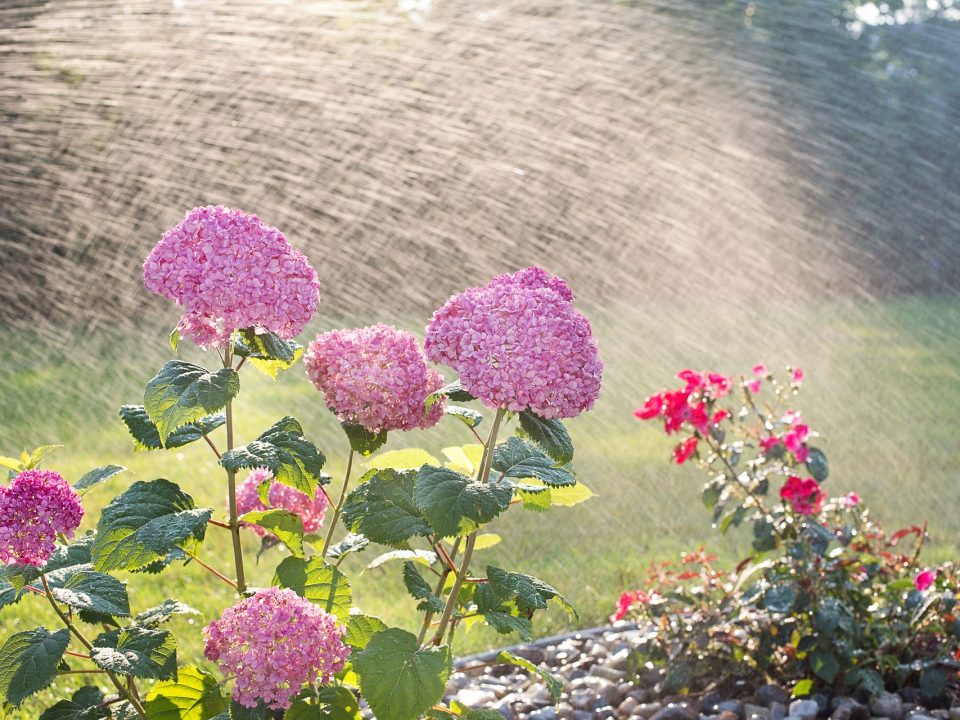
x=827, y=599
x=300, y=649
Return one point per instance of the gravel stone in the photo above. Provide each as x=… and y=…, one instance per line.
x=648, y=710
x=674, y=712
x=887, y=705
x=755, y=712
x=804, y=709
x=768, y=694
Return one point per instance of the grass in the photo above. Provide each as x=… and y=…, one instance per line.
x=882, y=388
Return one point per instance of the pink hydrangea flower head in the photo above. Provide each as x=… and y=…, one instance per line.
x=228, y=271
x=925, y=579
x=518, y=343
x=273, y=642
x=36, y=506
x=803, y=495
x=282, y=497
x=375, y=376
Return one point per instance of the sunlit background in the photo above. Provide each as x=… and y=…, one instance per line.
x=721, y=182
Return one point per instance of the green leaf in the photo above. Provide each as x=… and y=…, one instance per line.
x=869, y=679
x=382, y=508
x=267, y=351
x=285, y=525
x=161, y=613
x=137, y=651
x=360, y=628
x=454, y=391
x=241, y=712
x=82, y=706
x=764, y=535
x=28, y=662
x=293, y=460
x=506, y=623
x=538, y=501
x=471, y=418
x=352, y=543
x=146, y=522
x=419, y=589
x=182, y=393
x=824, y=665
x=147, y=437
x=407, y=459
x=933, y=682
x=82, y=588
x=424, y=557
x=455, y=505
x=194, y=695
x=554, y=684
x=398, y=679
x=518, y=459
x=97, y=476
x=333, y=703
x=318, y=582
x=803, y=688
x=362, y=440
x=528, y=592
x=174, y=339
x=817, y=464
x=38, y=455
x=780, y=597
x=550, y=435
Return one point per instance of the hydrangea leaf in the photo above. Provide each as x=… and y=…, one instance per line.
x=97, y=476
x=383, y=509
x=419, y=589
x=518, y=459
x=82, y=588
x=82, y=706
x=327, y=703
x=137, y=651
x=554, y=684
x=817, y=464
x=147, y=437
x=360, y=628
x=194, y=695
x=528, y=592
x=407, y=459
x=550, y=435
x=454, y=391
x=267, y=351
x=293, y=460
x=182, y=393
x=471, y=418
x=455, y=505
x=398, y=679
x=362, y=440
x=242, y=712
x=28, y=662
x=318, y=582
x=285, y=525
x=424, y=557
x=506, y=623
x=354, y=542
x=145, y=523
x=162, y=612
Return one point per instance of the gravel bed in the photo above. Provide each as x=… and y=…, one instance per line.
x=593, y=665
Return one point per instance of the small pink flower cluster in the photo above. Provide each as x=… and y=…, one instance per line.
x=375, y=376
x=803, y=495
x=36, y=506
x=274, y=642
x=518, y=343
x=689, y=405
x=229, y=271
x=925, y=579
x=281, y=497
x=795, y=439
x=627, y=600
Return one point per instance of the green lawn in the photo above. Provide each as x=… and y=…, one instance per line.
x=883, y=388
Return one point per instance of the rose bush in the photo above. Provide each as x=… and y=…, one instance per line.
x=300, y=649
x=827, y=599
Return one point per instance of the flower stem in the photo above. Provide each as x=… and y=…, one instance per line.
x=338, y=508
x=428, y=617
x=212, y=571
x=483, y=476
x=232, y=489
x=89, y=646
